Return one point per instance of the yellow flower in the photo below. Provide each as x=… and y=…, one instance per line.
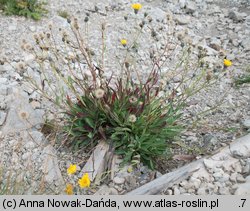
x=136, y=7
x=130, y=169
x=71, y=169
x=124, y=42
x=84, y=181
x=227, y=63
x=69, y=189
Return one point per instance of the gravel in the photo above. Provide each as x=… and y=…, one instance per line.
x=219, y=28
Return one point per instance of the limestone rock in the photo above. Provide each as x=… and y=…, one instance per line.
x=119, y=180
x=236, y=16
x=50, y=167
x=246, y=123
x=243, y=189
x=182, y=20
x=2, y=117
x=21, y=115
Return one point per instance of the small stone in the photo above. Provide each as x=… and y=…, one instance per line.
x=246, y=123
x=21, y=115
x=169, y=192
x=131, y=182
x=35, y=104
x=29, y=145
x=190, y=7
x=211, y=164
x=2, y=117
x=225, y=177
x=240, y=178
x=32, y=28
x=105, y=190
x=191, y=190
x=29, y=58
x=203, y=175
x=202, y=191
x=236, y=16
x=218, y=175
x=158, y=174
x=50, y=166
x=12, y=27
x=119, y=180
x=26, y=155
x=224, y=191
x=195, y=183
x=182, y=3
x=215, y=44
x=158, y=14
x=176, y=191
x=113, y=191
x=243, y=189
x=4, y=90
x=3, y=80
x=182, y=20
x=233, y=177
x=210, y=140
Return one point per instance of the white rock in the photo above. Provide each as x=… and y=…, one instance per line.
x=32, y=28
x=35, y=104
x=182, y=3
x=2, y=117
x=21, y=115
x=176, y=191
x=218, y=175
x=246, y=44
x=195, y=183
x=50, y=166
x=202, y=191
x=182, y=20
x=105, y=190
x=119, y=180
x=203, y=175
x=246, y=123
x=212, y=164
x=240, y=178
x=158, y=14
x=233, y=177
x=3, y=80
x=3, y=90
x=190, y=7
x=29, y=58
x=26, y=155
x=30, y=145
x=236, y=16
x=224, y=191
x=243, y=189
x=215, y=44
x=169, y=192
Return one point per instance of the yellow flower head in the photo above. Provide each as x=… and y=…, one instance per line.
x=130, y=169
x=227, y=63
x=124, y=42
x=136, y=7
x=84, y=181
x=69, y=189
x=71, y=169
